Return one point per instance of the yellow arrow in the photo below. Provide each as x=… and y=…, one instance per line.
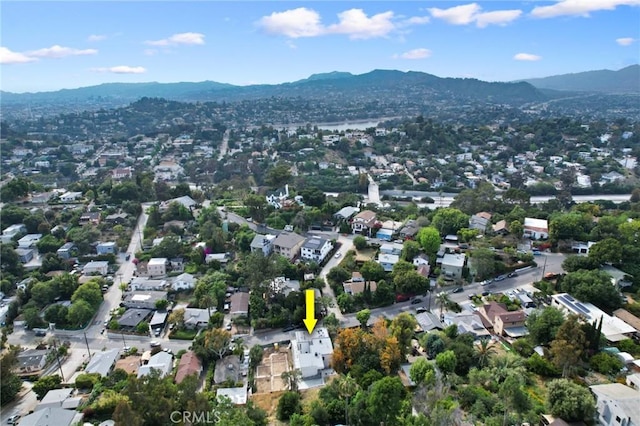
x=310, y=319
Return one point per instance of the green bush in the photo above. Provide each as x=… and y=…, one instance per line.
x=86, y=381
x=288, y=405
x=605, y=363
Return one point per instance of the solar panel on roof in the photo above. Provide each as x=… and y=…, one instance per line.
x=582, y=308
x=569, y=298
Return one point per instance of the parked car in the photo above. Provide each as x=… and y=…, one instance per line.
x=13, y=419
x=458, y=290
x=338, y=254
x=512, y=274
x=288, y=328
x=486, y=282
x=501, y=278
x=421, y=310
x=416, y=301
x=485, y=293
x=154, y=344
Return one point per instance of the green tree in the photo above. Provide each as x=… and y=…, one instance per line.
x=255, y=355
x=403, y=328
x=543, y=325
x=429, y=239
x=80, y=313
x=411, y=283
x=288, y=405
x=570, y=226
x=422, y=371
x=410, y=249
x=484, y=351
x=90, y=292
x=568, y=345
x=257, y=206
x=278, y=175
x=446, y=362
x=570, y=401
x=386, y=401
x=46, y=383
x=49, y=244
x=592, y=287
x=292, y=378
x=10, y=383
x=372, y=271
x=482, y=260
x=360, y=243
x=608, y=250
x=143, y=328
x=449, y=221
x=363, y=317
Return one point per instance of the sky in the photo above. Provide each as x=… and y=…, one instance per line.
x=49, y=45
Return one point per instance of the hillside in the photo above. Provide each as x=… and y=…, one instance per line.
x=368, y=87
x=625, y=80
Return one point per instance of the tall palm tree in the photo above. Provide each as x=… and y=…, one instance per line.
x=443, y=301
x=347, y=388
x=206, y=300
x=484, y=352
x=239, y=346
x=291, y=378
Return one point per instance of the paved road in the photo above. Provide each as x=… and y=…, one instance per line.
x=25, y=401
x=224, y=147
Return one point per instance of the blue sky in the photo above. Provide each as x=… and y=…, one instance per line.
x=54, y=45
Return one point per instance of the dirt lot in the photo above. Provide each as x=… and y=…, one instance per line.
x=270, y=369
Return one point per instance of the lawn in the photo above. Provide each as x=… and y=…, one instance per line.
x=183, y=334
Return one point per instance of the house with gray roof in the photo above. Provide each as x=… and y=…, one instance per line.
x=288, y=244
x=132, y=317
x=52, y=416
x=162, y=361
x=262, y=244
x=102, y=362
x=143, y=299
x=315, y=249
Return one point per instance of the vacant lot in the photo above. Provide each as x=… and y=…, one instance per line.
x=270, y=369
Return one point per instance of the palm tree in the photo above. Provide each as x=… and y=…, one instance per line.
x=239, y=346
x=484, y=352
x=347, y=388
x=291, y=378
x=443, y=301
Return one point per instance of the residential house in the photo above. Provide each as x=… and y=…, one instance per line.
x=102, y=362
x=409, y=230
x=288, y=244
x=346, y=213
x=262, y=244
x=67, y=251
x=613, y=328
x=237, y=396
x=157, y=266
x=90, y=218
x=184, y=281
x=452, y=265
x=217, y=257
x=284, y=286
x=388, y=261
x=504, y=322
x=143, y=299
x=176, y=264
x=121, y=173
x=630, y=319
x=96, y=267
x=147, y=284
x=616, y=404
x=357, y=284
x=109, y=247
x=197, y=318
x=421, y=259
x=501, y=227
x=391, y=248
x=388, y=229
x=189, y=365
x=363, y=222
x=52, y=416
x=59, y=398
x=162, y=362
x=70, y=197
x=536, y=229
x=239, y=305
x=11, y=231
x=480, y=222
x=472, y=323
x=277, y=198
x=618, y=277
x=29, y=241
x=132, y=317
x=315, y=249
x=428, y=321
x=424, y=270
x=116, y=218
x=312, y=353
x=25, y=255
x=185, y=201
x=42, y=198
x=31, y=361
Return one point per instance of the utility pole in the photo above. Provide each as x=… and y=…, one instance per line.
x=544, y=267
x=87, y=343
x=55, y=348
x=123, y=341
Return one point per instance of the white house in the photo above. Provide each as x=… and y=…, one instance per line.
x=537, y=229
x=70, y=197
x=109, y=247
x=452, y=265
x=162, y=361
x=12, y=231
x=315, y=249
x=29, y=240
x=157, y=266
x=100, y=267
x=262, y=244
x=387, y=261
x=278, y=197
x=184, y=282
x=617, y=404
x=312, y=352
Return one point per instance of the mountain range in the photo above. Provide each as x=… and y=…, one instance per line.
x=377, y=84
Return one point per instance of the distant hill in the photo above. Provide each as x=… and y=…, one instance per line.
x=368, y=87
x=625, y=80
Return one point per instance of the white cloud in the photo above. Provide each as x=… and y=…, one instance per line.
x=121, y=69
x=472, y=13
x=357, y=25
x=457, y=15
x=420, y=53
x=150, y=52
x=625, y=41
x=526, y=57
x=179, y=39
x=418, y=20
x=9, y=57
x=498, y=17
x=294, y=23
x=57, y=51
x=96, y=37
x=579, y=7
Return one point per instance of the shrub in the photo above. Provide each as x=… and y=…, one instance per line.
x=288, y=405
x=605, y=363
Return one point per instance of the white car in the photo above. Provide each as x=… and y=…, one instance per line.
x=154, y=344
x=338, y=254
